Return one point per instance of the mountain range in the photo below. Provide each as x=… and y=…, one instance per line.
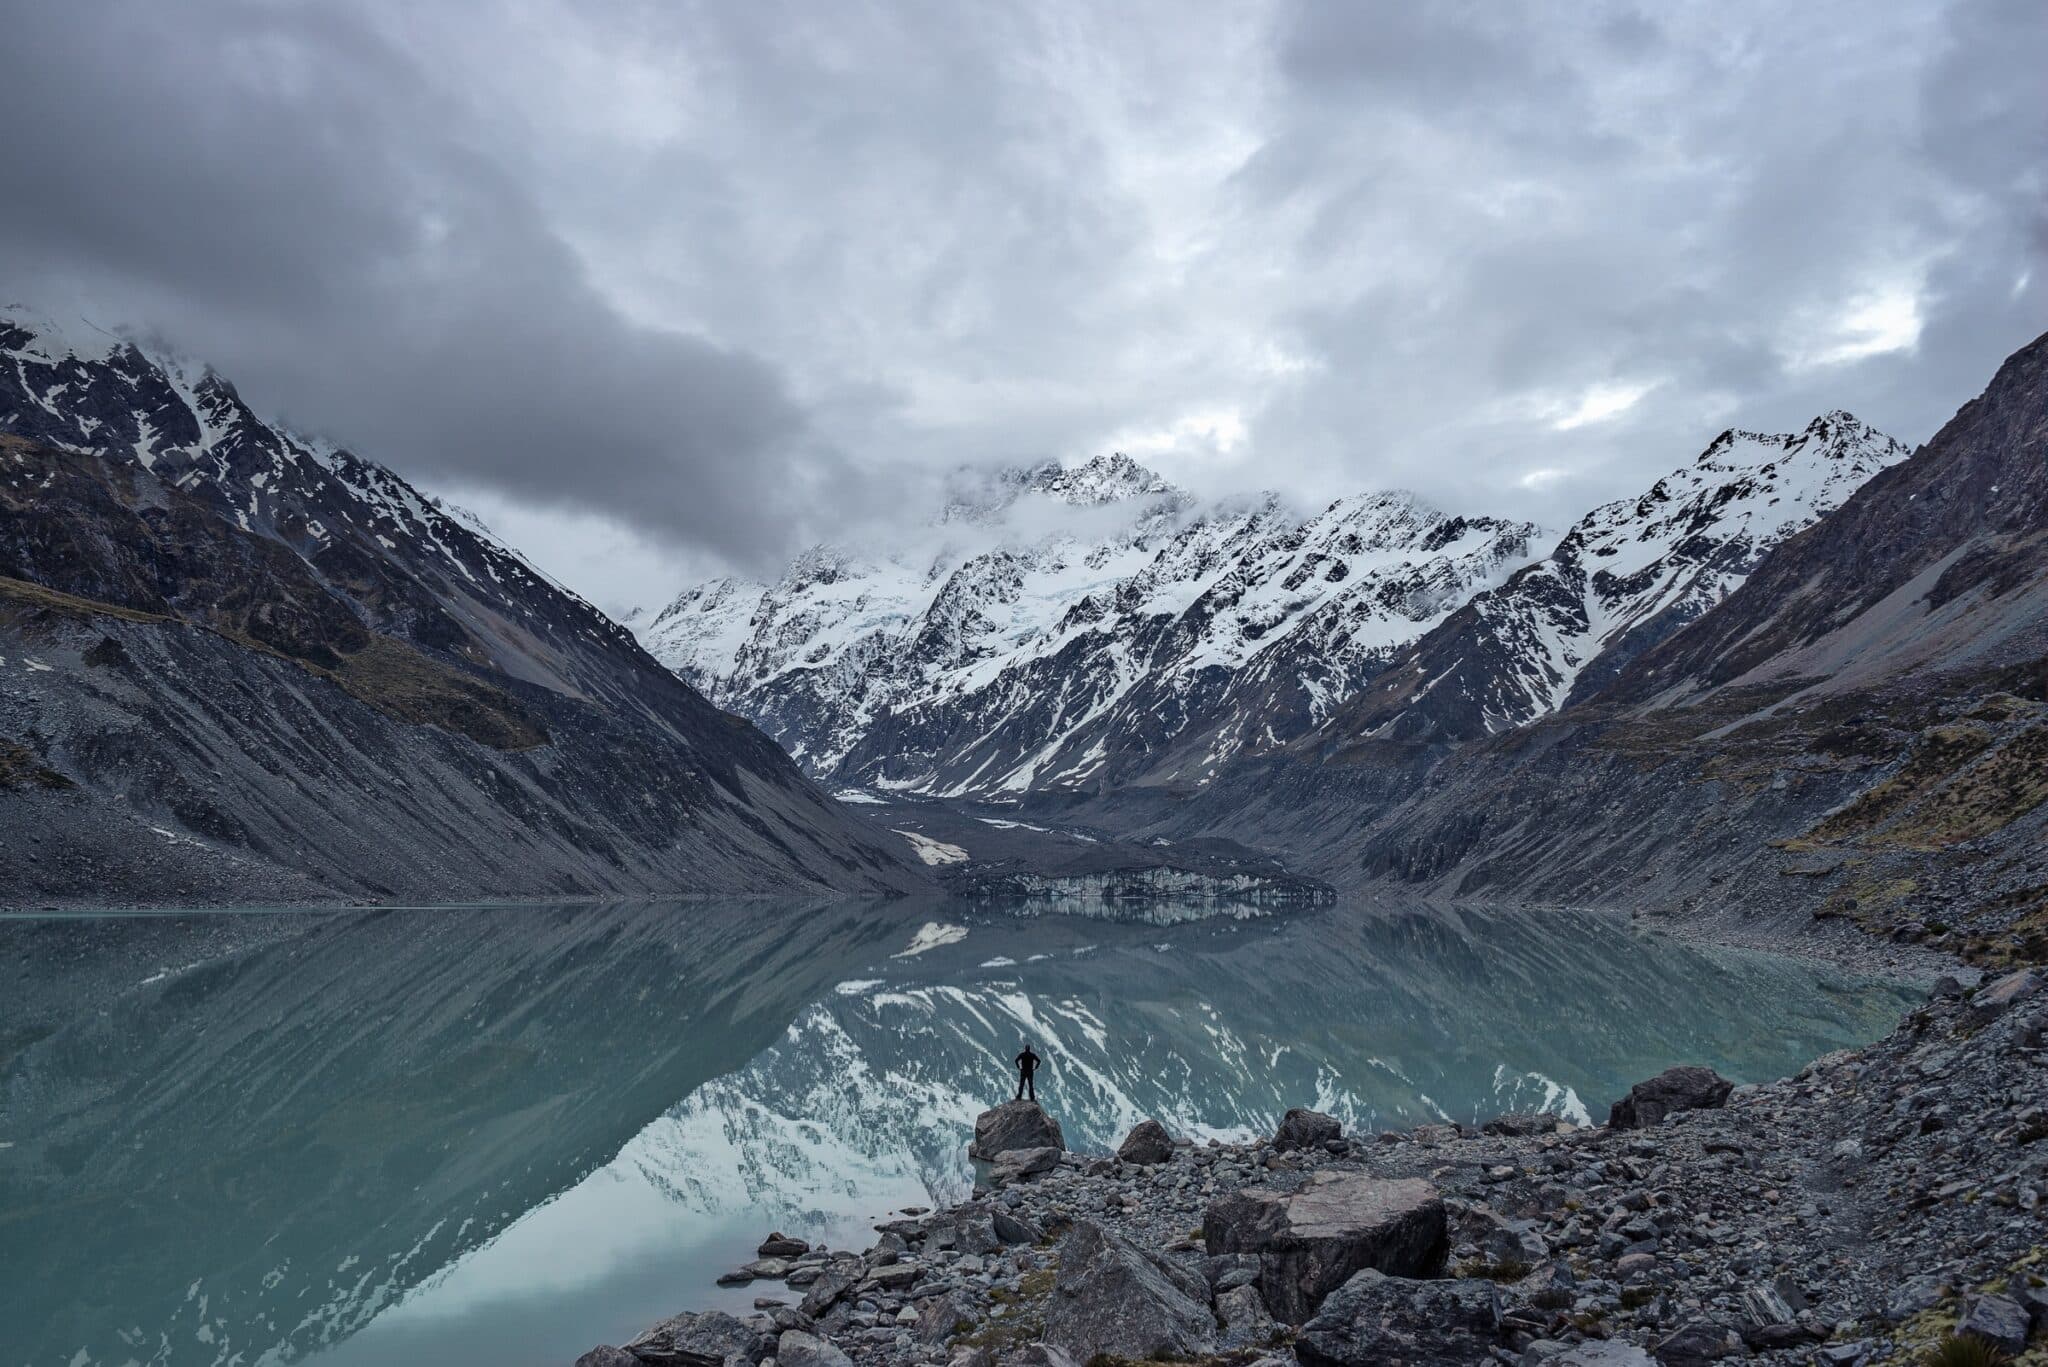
x=1804, y=674
x=1181, y=637
x=239, y=664
x=1858, y=731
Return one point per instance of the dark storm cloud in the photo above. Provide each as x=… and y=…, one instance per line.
x=710, y=280
x=1612, y=237
x=283, y=191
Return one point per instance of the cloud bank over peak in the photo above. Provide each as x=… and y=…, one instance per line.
x=664, y=288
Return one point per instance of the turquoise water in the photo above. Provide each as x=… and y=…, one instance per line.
x=506, y=1134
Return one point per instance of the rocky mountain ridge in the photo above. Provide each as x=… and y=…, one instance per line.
x=1629, y=575
x=1856, y=732
x=1195, y=636
x=1159, y=643
x=245, y=665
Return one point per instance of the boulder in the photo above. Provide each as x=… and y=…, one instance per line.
x=940, y=1317
x=1915, y=1296
x=1015, y=1165
x=1309, y=1242
x=1686, y=1088
x=1991, y=1002
x=1770, y=1320
x=604, y=1355
x=797, y=1349
x=1246, y=1321
x=1603, y=1353
x=1014, y=1229
x=1114, y=1297
x=895, y=1277
x=1039, y=1355
x=1146, y=1144
x=780, y=1245
x=1374, y=1320
x=972, y=1228
x=1699, y=1341
x=1014, y=1125
x=2000, y=1321
x=831, y=1283
x=1521, y=1124
x=1480, y=1231
x=1302, y=1128
x=699, y=1339
x=1550, y=1286
x=2035, y=1299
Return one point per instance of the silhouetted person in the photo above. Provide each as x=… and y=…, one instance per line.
x=1027, y=1064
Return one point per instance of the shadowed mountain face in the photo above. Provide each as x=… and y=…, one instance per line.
x=1859, y=730
x=1629, y=575
x=1937, y=565
x=235, y=664
x=258, y=1134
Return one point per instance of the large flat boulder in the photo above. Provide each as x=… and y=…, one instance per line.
x=1016, y=1165
x=1994, y=1000
x=1113, y=1297
x=969, y=1228
x=1685, y=1088
x=1014, y=1125
x=797, y=1349
x=704, y=1338
x=1374, y=1320
x=1310, y=1242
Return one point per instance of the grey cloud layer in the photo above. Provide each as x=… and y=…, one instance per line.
x=738, y=276
x=287, y=193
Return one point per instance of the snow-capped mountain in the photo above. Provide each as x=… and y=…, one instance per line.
x=254, y=664
x=1076, y=627
x=1629, y=575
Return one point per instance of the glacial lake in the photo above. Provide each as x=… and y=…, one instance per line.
x=505, y=1134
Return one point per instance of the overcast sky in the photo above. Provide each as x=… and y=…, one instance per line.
x=660, y=286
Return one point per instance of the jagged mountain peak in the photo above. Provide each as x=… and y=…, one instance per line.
x=344, y=619
x=30, y=334
x=1035, y=653
x=1111, y=478
x=1624, y=578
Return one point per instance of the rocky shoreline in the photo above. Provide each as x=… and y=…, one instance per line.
x=1868, y=1210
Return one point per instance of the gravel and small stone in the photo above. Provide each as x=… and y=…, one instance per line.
x=1862, y=1212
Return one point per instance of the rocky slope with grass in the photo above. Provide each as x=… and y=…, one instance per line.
x=238, y=665
x=1856, y=732
x=1881, y=1206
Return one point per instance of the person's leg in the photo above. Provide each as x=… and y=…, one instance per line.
x=1031, y=1086
x=1021, y=1080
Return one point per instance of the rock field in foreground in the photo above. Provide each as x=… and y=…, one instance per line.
x=1860, y=1212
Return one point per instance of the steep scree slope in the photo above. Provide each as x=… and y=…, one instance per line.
x=253, y=666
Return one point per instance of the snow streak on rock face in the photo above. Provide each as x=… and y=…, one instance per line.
x=1079, y=626
x=139, y=481
x=76, y=387
x=1629, y=575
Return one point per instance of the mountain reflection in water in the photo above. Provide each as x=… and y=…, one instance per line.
x=504, y=1134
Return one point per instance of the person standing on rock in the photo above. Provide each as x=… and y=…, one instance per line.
x=1027, y=1064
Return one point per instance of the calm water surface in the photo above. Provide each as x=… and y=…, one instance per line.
x=505, y=1134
